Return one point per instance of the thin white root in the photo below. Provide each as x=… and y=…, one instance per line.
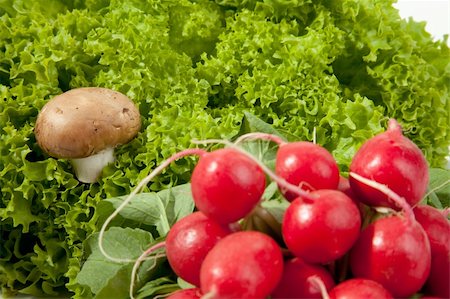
x=315, y=280
x=144, y=182
x=161, y=296
x=398, y=200
x=211, y=294
x=141, y=258
x=280, y=181
x=445, y=183
x=259, y=136
x=314, y=140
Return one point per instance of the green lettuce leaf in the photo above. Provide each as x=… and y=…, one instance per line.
x=438, y=194
x=194, y=69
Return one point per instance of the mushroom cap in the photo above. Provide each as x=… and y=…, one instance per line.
x=84, y=121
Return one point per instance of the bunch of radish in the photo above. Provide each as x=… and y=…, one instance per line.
x=331, y=244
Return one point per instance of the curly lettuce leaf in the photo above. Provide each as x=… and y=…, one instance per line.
x=194, y=68
x=398, y=66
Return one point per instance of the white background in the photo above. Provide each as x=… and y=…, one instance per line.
x=435, y=12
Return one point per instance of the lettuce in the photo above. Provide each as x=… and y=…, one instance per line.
x=194, y=69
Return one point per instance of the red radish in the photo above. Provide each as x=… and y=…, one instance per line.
x=193, y=293
x=227, y=185
x=188, y=242
x=395, y=252
x=344, y=186
x=246, y=264
x=437, y=228
x=295, y=281
x=282, y=183
x=391, y=159
x=322, y=227
x=145, y=181
x=358, y=288
x=307, y=165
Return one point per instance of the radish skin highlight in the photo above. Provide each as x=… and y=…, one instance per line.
x=321, y=230
x=189, y=241
x=226, y=185
x=246, y=264
x=279, y=180
x=302, y=163
x=391, y=159
x=393, y=251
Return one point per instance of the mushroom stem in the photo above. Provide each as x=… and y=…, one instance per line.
x=89, y=169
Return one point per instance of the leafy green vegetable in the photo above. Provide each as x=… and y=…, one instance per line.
x=184, y=284
x=146, y=210
x=159, y=286
x=194, y=69
x=161, y=209
x=439, y=188
x=251, y=123
x=113, y=281
x=262, y=150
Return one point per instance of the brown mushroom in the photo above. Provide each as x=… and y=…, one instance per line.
x=85, y=125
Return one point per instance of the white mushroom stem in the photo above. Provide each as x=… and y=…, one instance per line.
x=89, y=169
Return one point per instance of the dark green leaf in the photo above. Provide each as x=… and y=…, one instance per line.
x=251, y=123
x=264, y=151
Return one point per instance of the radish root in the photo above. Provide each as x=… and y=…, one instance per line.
x=144, y=182
x=142, y=258
x=314, y=139
x=315, y=280
x=444, y=184
x=260, y=136
x=398, y=200
x=211, y=294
